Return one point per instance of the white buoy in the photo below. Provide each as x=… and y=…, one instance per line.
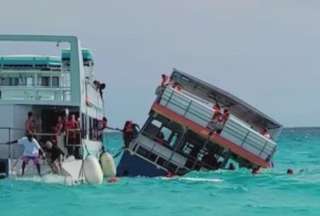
x=92, y=170
x=107, y=164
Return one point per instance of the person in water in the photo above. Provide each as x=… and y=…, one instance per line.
x=56, y=155
x=32, y=151
x=290, y=171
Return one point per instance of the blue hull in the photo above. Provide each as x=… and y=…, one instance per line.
x=4, y=168
x=132, y=165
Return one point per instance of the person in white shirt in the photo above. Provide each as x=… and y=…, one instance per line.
x=31, y=151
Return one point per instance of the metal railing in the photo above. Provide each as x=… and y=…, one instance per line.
x=234, y=129
x=247, y=138
x=23, y=93
x=13, y=151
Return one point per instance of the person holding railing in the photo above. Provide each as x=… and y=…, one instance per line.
x=130, y=131
x=56, y=155
x=216, y=122
x=266, y=133
x=32, y=151
x=225, y=116
x=103, y=124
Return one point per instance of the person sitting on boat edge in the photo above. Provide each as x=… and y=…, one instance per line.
x=32, y=151
x=56, y=155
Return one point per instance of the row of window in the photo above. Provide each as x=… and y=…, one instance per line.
x=29, y=81
x=199, y=151
x=95, y=132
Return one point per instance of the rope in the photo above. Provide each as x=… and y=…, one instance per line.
x=119, y=152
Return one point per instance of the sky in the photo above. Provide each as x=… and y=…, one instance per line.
x=265, y=52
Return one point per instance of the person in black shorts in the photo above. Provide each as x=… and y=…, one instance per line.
x=56, y=156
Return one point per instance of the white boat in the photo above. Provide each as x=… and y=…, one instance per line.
x=50, y=86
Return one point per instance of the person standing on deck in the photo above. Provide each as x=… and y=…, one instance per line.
x=29, y=124
x=31, y=151
x=59, y=130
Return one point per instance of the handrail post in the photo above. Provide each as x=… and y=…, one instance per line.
x=187, y=109
x=9, y=134
x=171, y=95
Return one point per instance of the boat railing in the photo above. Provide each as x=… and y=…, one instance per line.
x=238, y=133
x=186, y=106
x=234, y=129
x=35, y=93
x=8, y=150
x=158, y=153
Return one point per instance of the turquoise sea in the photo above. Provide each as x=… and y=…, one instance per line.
x=213, y=193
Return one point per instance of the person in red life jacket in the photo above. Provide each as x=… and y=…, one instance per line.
x=70, y=126
x=29, y=124
x=225, y=115
x=160, y=89
x=216, y=111
x=164, y=80
x=176, y=86
x=216, y=123
x=256, y=170
x=266, y=133
x=130, y=131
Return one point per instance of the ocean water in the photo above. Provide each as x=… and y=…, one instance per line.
x=199, y=193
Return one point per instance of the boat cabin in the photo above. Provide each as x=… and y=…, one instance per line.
x=184, y=132
x=51, y=88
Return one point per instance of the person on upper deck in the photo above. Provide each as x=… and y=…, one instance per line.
x=225, y=115
x=216, y=111
x=266, y=133
x=29, y=124
x=164, y=80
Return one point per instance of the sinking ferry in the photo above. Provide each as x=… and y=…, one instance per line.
x=193, y=125
x=52, y=88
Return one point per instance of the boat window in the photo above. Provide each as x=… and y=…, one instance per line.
x=55, y=81
x=165, y=133
x=29, y=81
x=156, y=123
x=192, y=145
x=44, y=81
